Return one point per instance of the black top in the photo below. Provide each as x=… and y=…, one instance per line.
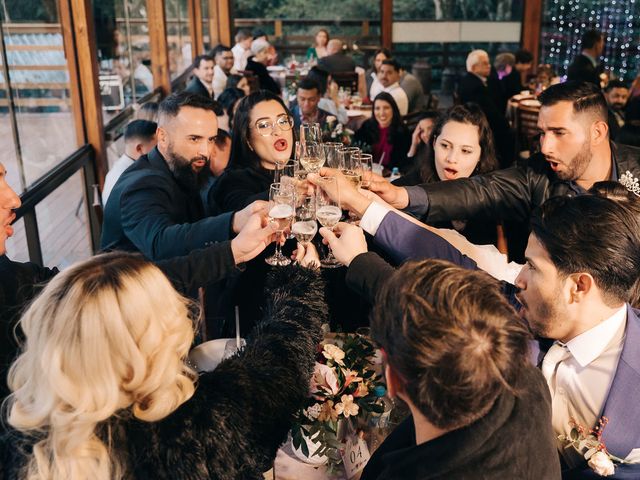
x=238, y=187
x=265, y=80
x=582, y=70
x=240, y=413
x=493, y=447
x=629, y=135
x=512, y=84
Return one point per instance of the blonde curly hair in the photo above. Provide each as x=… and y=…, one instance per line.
x=107, y=334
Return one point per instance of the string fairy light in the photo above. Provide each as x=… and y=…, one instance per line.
x=564, y=22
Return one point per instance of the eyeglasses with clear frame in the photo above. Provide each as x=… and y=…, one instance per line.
x=265, y=127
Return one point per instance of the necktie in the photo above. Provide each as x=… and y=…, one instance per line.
x=556, y=354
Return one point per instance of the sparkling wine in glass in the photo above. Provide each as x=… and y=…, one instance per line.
x=312, y=158
x=351, y=169
x=281, y=211
x=328, y=212
x=366, y=163
x=310, y=133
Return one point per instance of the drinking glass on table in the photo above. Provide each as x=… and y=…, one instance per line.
x=304, y=226
x=366, y=164
x=281, y=211
x=312, y=157
x=328, y=212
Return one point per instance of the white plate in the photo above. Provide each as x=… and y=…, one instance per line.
x=530, y=103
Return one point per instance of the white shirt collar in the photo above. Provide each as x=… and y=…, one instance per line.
x=393, y=86
x=589, y=345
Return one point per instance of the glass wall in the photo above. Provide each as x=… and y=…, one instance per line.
x=122, y=35
x=178, y=36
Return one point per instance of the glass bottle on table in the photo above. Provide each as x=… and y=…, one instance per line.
x=281, y=211
x=328, y=212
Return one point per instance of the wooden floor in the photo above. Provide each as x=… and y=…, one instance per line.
x=47, y=139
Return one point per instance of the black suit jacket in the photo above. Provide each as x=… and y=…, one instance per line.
x=265, y=80
x=338, y=62
x=150, y=211
x=582, y=70
x=512, y=84
x=196, y=86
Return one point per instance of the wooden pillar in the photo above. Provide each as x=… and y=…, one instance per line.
x=224, y=23
x=531, y=28
x=214, y=33
x=86, y=66
x=194, y=12
x=386, y=23
x=158, y=45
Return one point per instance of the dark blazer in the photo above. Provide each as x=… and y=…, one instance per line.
x=493, y=447
x=582, y=70
x=196, y=86
x=404, y=240
x=612, y=122
x=238, y=187
x=512, y=84
x=265, y=81
x=240, y=413
x=338, y=62
x=151, y=211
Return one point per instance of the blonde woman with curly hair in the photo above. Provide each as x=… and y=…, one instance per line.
x=101, y=389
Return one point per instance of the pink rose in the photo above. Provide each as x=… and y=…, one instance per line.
x=324, y=381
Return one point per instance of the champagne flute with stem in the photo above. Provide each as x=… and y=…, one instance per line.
x=328, y=212
x=304, y=226
x=312, y=157
x=281, y=211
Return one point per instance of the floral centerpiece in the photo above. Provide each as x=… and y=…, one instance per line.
x=334, y=131
x=588, y=442
x=341, y=395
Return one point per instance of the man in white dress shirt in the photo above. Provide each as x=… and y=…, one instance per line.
x=139, y=139
x=224, y=59
x=242, y=49
x=389, y=81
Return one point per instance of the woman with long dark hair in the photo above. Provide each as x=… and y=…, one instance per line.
x=384, y=134
x=262, y=135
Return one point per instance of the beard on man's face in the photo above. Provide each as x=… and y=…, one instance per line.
x=578, y=164
x=182, y=168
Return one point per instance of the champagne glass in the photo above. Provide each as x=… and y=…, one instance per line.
x=331, y=154
x=350, y=165
x=285, y=169
x=312, y=158
x=305, y=227
x=366, y=164
x=328, y=212
x=310, y=132
x=281, y=211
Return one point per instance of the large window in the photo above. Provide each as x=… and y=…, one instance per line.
x=178, y=36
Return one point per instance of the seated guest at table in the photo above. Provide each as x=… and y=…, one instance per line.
x=139, y=139
x=319, y=48
x=461, y=146
x=259, y=34
x=262, y=135
x=228, y=100
x=389, y=81
x=119, y=399
x=629, y=134
x=616, y=93
x=239, y=81
x=306, y=109
x=223, y=57
x=586, y=65
x=329, y=89
x=413, y=88
x=456, y=353
x=503, y=64
x=384, y=134
x=217, y=166
x=257, y=64
x=371, y=75
x=155, y=207
x=513, y=82
x=474, y=87
x=242, y=49
x=202, y=81
x=337, y=61
x=422, y=133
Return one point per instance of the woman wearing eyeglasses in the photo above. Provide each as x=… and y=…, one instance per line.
x=262, y=135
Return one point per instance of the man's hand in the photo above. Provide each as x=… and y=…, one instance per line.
x=342, y=190
x=242, y=216
x=349, y=243
x=397, y=197
x=253, y=238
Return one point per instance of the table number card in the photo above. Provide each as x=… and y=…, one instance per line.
x=355, y=455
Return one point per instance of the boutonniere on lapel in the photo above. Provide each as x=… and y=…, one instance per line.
x=630, y=182
x=589, y=443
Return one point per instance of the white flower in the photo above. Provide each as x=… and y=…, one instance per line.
x=331, y=352
x=347, y=407
x=324, y=381
x=331, y=119
x=600, y=463
x=313, y=411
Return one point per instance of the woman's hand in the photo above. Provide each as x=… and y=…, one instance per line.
x=416, y=140
x=342, y=190
x=346, y=243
